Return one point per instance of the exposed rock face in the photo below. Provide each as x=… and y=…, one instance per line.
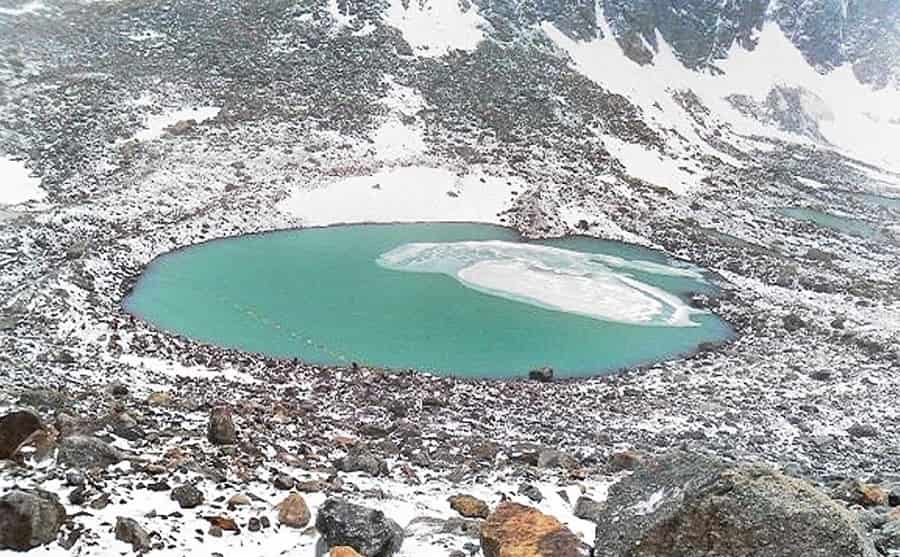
x=293, y=511
x=29, y=518
x=469, y=507
x=514, y=530
x=15, y=428
x=129, y=531
x=687, y=505
x=221, y=429
x=81, y=451
x=366, y=530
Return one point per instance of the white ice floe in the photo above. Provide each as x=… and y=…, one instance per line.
x=17, y=185
x=436, y=27
x=406, y=194
x=27, y=8
x=156, y=124
x=594, y=285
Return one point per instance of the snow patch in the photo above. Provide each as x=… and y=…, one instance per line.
x=406, y=194
x=17, y=185
x=436, y=27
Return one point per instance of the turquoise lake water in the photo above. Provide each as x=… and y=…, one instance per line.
x=854, y=227
x=459, y=299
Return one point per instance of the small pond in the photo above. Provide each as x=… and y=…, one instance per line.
x=854, y=227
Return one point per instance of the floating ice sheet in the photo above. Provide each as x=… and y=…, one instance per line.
x=594, y=285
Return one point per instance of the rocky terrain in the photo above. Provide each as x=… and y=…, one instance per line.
x=154, y=125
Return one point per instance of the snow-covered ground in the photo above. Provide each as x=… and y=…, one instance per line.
x=436, y=27
x=406, y=194
x=17, y=184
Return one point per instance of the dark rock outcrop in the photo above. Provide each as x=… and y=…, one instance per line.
x=688, y=505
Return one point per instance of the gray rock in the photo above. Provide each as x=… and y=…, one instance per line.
x=15, y=428
x=187, y=496
x=221, y=430
x=29, y=518
x=862, y=430
x=129, y=531
x=555, y=459
x=366, y=530
x=687, y=505
x=363, y=461
x=81, y=451
x=588, y=509
x=530, y=491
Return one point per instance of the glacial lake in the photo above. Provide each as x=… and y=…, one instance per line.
x=453, y=299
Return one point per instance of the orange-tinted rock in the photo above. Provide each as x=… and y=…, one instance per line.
x=469, y=507
x=293, y=511
x=515, y=530
x=343, y=551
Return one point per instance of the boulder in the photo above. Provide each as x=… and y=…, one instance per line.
x=29, y=518
x=187, y=496
x=541, y=374
x=129, y=531
x=531, y=491
x=550, y=458
x=515, y=530
x=362, y=461
x=343, y=551
x=860, y=493
x=293, y=511
x=469, y=507
x=221, y=429
x=689, y=505
x=366, y=530
x=82, y=451
x=588, y=509
x=15, y=428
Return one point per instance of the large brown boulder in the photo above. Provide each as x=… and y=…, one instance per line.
x=29, y=518
x=15, y=428
x=515, y=530
x=343, y=551
x=688, y=505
